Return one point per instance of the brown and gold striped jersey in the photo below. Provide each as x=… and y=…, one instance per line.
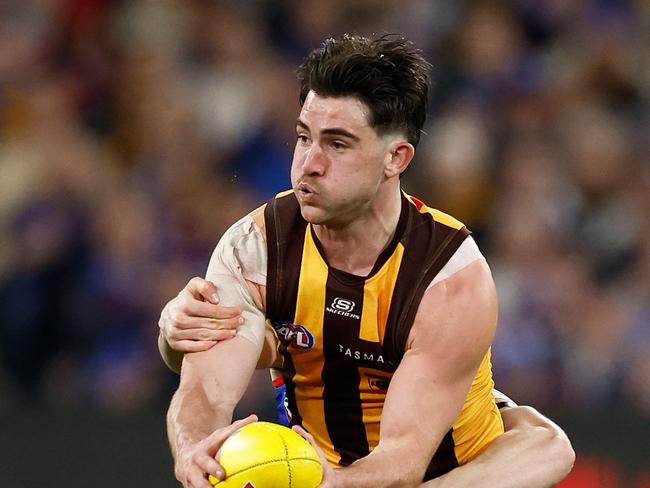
x=342, y=336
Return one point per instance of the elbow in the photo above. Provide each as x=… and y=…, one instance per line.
x=552, y=442
x=537, y=434
x=561, y=452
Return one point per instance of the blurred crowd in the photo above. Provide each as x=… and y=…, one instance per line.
x=133, y=133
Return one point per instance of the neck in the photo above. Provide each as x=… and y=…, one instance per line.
x=355, y=247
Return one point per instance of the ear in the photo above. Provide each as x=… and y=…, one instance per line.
x=400, y=154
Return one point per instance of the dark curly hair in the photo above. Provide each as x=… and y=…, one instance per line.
x=388, y=74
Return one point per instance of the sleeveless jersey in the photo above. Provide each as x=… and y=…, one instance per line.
x=342, y=336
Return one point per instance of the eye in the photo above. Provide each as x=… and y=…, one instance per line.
x=302, y=139
x=338, y=145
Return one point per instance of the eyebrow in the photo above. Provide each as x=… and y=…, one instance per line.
x=334, y=131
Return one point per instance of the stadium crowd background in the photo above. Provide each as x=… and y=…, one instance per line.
x=133, y=133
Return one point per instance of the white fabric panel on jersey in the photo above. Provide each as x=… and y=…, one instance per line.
x=502, y=400
x=466, y=254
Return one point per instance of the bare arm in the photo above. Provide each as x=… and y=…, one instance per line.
x=532, y=453
x=212, y=382
x=452, y=332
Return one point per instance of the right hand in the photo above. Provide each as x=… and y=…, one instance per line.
x=194, y=321
x=195, y=461
x=328, y=479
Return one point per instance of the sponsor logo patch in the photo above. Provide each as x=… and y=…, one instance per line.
x=366, y=356
x=344, y=307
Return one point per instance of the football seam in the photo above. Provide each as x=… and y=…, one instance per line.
x=286, y=458
x=270, y=462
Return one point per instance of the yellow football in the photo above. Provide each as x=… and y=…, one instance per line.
x=266, y=455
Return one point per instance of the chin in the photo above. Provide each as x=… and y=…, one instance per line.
x=313, y=215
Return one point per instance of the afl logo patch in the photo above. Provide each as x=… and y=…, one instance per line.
x=294, y=335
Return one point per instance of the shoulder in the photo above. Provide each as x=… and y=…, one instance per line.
x=457, y=315
x=471, y=287
x=282, y=213
x=242, y=248
x=467, y=253
x=435, y=214
x=251, y=224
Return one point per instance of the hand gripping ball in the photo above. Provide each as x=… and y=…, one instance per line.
x=266, y=455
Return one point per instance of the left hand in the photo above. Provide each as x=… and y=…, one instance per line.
x=196, y=460
x=328, y=472
x=195, y=320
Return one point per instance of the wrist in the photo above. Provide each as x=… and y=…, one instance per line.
x=185, y=447
x=185, y=443
x=335, y=479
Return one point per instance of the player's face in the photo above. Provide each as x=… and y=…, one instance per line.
x=338, y=162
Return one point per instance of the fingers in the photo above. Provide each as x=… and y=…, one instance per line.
x=193, y=322
x=186, y=322
x=200, y=461
x=197, y=329
x=193, y=475
x=196, y=479
x=214, y=442
x=193, y=307
x=209, y=464
x=304, y=433
x=203, y=334
x=310, y=438
x=191, y=346
x=197, y=316
x=186, y=305
x=218, y=437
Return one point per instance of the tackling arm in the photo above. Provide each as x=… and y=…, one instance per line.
x=532, y=453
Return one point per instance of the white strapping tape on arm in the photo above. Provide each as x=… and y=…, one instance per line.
x=241, y=255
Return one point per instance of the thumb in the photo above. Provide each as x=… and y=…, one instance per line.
x=203, y=290
x=327, y=469
x=310, y=438
x=218, y=437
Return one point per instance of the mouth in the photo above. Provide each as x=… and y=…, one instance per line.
x=305, y=190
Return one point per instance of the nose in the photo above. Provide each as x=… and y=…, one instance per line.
x=314, y=161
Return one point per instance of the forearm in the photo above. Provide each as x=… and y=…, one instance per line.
x=192, y=417
x=173, y=359
x=212, y=382
x=385, y=467
x=532, y=453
